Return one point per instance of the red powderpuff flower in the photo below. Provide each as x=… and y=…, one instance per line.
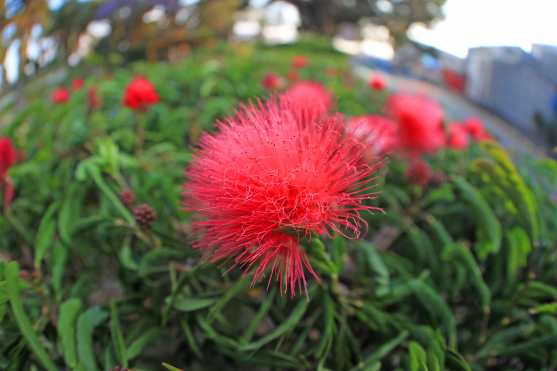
x=299, y=61
x=420, y=122
x=140, y=94
x=60, y=95
x=267, y=180
x=380, y=133
x=93, y=100
x=377, y=82
x=271, y=82
x=476, y=130
x=308, y=98
x=8, y=157
x=419, y=172
x=457, y=136
x=77, y=84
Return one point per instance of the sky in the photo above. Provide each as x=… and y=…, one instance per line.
x=470, y=23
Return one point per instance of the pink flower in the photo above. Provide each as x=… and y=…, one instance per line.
x=457, y=136
x=420, y=122
x=308, y=98
x=60, y=95
x=271, y=82
x=299, y=61
x=77, y=84
x=476, y=129
x=379, y=132
x=140, y=94
x=8, y=157
x=270, y=179
x=377, y=82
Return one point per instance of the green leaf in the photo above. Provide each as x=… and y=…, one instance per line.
x=169, y=367
x=229, y=294
x=456, y=362
x=59, y=258
x=110, y=195
x=417, y=357
x=21, y=319
x=489, y=229
x=261, y=313
x=463, y=256
x=117, y=336
x=86, y=324
x=436, y=306
x=190, y=304
x=45, y=234
x=280, y=330
x=136, y=347
x=374, y=358
x=69, y=311
x=519, y=248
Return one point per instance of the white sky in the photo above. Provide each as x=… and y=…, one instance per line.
x=470, y=23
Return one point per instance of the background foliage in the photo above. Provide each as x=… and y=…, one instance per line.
x=459, y=275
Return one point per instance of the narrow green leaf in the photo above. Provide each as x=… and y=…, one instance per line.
x=86, y=324
x=189, y=304
x=256, y=320
x=69, y=311
x=417, y=357
x=169, y=367
x=280, y=330
x=374, y=358
x=45, y=234
x=487, y=223
x=117, y=336
x=114, y=200
x=21, y=319
x=136, y=347
x=229, y=294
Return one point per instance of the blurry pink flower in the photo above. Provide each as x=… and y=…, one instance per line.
x=77, y=84
x=476, y=129
x=271, y=82
x=140, y=94
x=377, y=82
x=60, y=95
x=299, y=61
x=457, y=136
x=8, y=157
x=308, y=98
x=420, y=121
x=419, y=172
x=379, y=132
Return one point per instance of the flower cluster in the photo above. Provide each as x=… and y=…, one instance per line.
x=140, y=94
x=8, y=157
x=272, y=177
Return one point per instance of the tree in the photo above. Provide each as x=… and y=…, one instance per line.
x=397, y=15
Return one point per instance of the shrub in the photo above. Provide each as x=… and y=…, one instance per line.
x=98, y=270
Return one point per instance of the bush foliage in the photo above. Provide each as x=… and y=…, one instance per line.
x=458, y=275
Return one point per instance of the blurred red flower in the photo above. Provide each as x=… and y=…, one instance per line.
x=60, y=95
x=271, y=82
x=377, y=82
x=308, y=98
x=457, y=136
x=268, y=180
x=420, y=121
x=77, y=84
x=419, y=172
x=293, y=76
x=8, y=157
x=93, y=100
x=476, y=129
x=140, y=94
x=299, y=61
x=379, y=132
